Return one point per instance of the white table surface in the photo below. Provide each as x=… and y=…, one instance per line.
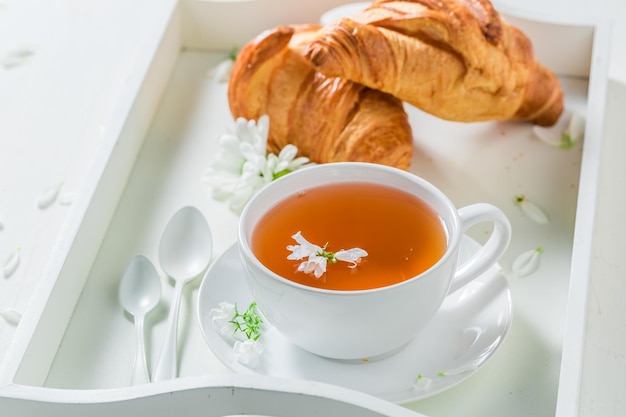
x=54, y=98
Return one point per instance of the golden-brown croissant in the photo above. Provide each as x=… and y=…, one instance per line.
x=329, y=119
x=456, y=59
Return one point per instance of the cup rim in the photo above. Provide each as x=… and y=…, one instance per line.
x=453, y=238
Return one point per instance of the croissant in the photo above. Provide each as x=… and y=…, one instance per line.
x=329, y=119
x=456, y=59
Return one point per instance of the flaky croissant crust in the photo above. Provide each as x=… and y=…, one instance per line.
x=329, y=119
x=456, y=59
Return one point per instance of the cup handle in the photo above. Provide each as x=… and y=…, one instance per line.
x=491, y=251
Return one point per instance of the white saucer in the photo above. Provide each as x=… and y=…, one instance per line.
x=467, y=330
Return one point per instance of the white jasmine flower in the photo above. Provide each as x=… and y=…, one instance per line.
x=303, y=249
x=527, y=262
x=248, y=352
x=244, y=328
x=315, y=264
x=285, y=162
x=568, y=130
x=222, y=317
x=530, y=209
x=351, y=255
x=317, y=257
x=241, y=167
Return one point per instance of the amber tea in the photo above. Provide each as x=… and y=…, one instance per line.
x=403, y=236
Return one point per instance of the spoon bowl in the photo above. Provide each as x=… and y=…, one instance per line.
x=139, y=292
x=185, y=251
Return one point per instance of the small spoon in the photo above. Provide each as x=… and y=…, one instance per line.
x=185, y=251
x=139, y=292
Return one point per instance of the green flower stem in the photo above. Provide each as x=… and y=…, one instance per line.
x=249, y=323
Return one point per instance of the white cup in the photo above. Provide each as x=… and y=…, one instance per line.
x=365, y=324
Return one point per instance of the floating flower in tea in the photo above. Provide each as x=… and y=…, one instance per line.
x=318, y=257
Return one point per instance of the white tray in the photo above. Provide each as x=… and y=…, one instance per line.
x=75, y=344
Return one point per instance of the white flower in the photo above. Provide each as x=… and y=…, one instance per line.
x=317, y=257
x=242, y=328
x=303, y=249
x=221, y=318
x=315, y=264
x=248, y=352
x=568, y=130
x=247, y=143
x=285, y=162
x=527, y=262
x=530, y=209
x=241, y=167
x=351, y=255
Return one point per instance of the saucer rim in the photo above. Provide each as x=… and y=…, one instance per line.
x=396, y=396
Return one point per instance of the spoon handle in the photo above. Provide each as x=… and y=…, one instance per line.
x=140, y=368
x=166, y=367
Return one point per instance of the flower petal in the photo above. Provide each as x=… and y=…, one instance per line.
x=263, y=129
x=351, y=255
x=533, y=212
x=527, y=262
x=10, y=316
x=314, y=264
x=305, y=243
x=298, y=163
x=422, y=384
x=49, y=196
x=564, y=133
x=288, y=153
x=221, y=318
x=576, y=127
x=11, y=263
x=67, y=198
x=248, y=352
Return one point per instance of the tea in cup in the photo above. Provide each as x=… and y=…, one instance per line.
x=351, y=260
